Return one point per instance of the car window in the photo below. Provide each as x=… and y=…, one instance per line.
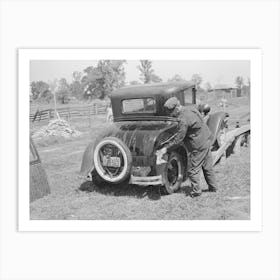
x=188, y=96
x=138, y=105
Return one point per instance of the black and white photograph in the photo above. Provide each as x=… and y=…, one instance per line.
x=140, y=139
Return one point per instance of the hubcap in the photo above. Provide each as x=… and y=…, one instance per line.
x=111, y=160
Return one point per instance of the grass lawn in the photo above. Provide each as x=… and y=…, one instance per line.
x=72, y=198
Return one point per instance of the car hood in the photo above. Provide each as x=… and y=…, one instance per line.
x=141, y=137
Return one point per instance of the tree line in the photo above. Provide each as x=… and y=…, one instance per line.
x=99, y=81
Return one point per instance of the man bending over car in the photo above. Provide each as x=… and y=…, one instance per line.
x=196, y=135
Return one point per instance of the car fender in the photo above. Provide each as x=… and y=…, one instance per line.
x=87, y=161
x=215, y=122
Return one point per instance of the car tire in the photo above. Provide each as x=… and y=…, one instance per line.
x=111, y=174
x=96, y=179
x=173, y=172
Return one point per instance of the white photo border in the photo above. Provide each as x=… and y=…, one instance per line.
x=255, y=58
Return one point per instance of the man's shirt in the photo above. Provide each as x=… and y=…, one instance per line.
x=192, y=130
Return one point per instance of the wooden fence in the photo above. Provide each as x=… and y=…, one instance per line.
x=67, y=112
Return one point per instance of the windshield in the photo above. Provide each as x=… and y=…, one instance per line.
x=139, y=105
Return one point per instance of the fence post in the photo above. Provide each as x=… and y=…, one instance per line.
x=89, y=118
x=96, y=109
x=69, y=115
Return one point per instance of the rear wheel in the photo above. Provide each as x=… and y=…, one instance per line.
x=173, y=173
x=96, y=179
x=112, y=160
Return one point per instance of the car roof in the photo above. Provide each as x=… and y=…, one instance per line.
x=152, y=89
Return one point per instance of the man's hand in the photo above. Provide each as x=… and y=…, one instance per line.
x=160, y=153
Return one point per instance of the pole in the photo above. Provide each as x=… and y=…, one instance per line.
x=89, y=116
x=69, y=114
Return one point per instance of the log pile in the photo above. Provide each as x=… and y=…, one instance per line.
x=57, y=127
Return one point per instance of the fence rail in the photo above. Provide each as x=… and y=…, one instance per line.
x=67, y=112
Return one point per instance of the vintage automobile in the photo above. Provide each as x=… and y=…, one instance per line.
x=127, y=150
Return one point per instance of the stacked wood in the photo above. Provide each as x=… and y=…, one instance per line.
x=57, y=127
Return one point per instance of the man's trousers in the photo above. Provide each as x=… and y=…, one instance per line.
x=201, y=160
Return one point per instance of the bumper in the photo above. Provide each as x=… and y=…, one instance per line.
x=134, y=180
x=146, y=181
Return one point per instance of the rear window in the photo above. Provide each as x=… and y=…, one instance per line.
x=138, y=105
x=188, y=96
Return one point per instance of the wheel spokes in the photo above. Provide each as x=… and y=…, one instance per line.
x=172, y=172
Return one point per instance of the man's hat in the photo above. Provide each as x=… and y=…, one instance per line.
x=172, y=103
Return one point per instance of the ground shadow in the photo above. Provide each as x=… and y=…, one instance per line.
x=152, y=192
x=186, y=190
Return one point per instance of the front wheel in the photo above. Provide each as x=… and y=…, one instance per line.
x=173, y=173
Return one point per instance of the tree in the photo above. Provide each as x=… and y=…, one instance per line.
x=63, y=91
x=76, y=88
x=249, y=87
x=134, y=83
x=197, y=80
x=239, y=82
x=54, y=88
x=176, y=78
x=249, y=82
x=147, y=74
x=77, y=76
x=208, y=87
x=40, y=91
x=101, y=80
x=88, y=69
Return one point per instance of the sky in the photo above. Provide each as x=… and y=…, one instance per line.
x=213, y=71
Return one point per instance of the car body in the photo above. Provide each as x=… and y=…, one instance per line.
x=109, y=114
x=39, y=185
x=127, y=150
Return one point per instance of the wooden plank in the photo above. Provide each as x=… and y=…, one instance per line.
x=230, y=138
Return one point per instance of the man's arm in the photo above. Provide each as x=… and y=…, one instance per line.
x=179, y=136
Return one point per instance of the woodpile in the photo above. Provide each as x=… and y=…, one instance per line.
x=57, y=127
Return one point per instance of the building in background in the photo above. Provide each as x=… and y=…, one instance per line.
x=225, y=91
